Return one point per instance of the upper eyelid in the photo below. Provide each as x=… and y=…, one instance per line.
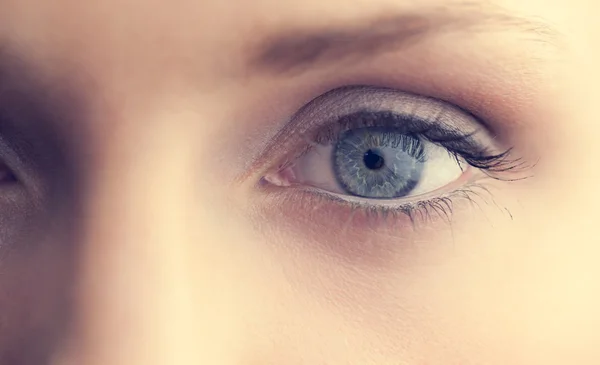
x=340, y=102
x=332, y=105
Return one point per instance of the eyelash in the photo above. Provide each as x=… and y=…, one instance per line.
x=420, y=211
x=462, y=147
x=459, y=145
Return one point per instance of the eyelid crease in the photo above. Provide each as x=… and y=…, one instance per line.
x=348, y=99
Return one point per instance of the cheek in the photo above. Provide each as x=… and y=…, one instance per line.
x=482, y=289
x=35, y=297
x=38, y=254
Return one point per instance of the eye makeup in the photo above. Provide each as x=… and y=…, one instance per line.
x=469, y=141
x=326, y=117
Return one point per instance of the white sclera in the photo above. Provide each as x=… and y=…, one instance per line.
x=315, y=168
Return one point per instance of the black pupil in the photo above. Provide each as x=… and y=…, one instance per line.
x=373, y=160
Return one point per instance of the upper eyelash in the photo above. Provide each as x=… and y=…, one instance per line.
x=460, y=145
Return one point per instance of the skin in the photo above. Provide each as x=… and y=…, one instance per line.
x=139, y=234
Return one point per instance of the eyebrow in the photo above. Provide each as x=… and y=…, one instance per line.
x=298, y=49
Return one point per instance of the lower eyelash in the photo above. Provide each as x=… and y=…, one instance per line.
x=419, y=212
x=442, y=207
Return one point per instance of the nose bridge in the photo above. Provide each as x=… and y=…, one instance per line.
x=136, y=301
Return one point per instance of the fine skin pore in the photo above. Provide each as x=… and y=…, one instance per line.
x=160, y=201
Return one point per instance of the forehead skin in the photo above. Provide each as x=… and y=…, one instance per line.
x=201, y=41
x=173, y=96
x=142, y=51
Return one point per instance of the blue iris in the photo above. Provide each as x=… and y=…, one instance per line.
x=378, y=162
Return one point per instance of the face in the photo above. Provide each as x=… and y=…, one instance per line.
x=308, y=182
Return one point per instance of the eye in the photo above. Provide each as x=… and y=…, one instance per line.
x=376, y=145
x=377, y=163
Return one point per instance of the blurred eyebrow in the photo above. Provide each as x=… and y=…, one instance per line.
x=298, y=49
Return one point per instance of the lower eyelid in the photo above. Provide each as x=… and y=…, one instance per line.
x=469, y=176
x=364, y=231
x=303, y=193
